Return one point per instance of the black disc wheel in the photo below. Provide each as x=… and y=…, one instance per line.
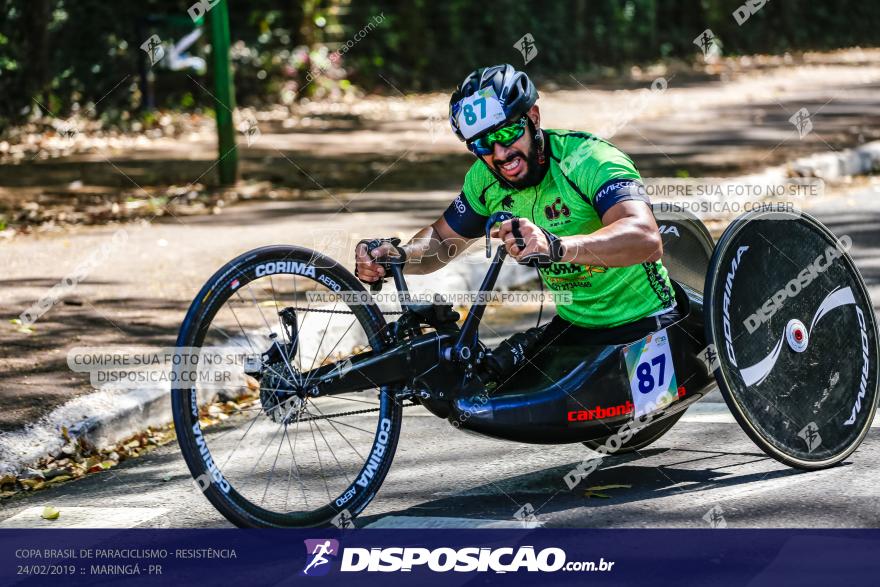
x=795, y=334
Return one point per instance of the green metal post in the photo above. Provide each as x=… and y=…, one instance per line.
x=223, y=90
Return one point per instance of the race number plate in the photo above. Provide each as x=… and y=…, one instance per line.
x=651, y=373
x=479, y=111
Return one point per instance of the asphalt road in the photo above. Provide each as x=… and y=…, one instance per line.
x=704, y=472
x=442, y=477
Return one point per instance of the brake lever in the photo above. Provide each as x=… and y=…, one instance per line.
x=492, y=221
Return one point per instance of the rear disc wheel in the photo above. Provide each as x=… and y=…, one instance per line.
x=796, y=338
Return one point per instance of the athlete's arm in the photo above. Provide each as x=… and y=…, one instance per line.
x=629, y=236
x=430, y=249
x=433, y=247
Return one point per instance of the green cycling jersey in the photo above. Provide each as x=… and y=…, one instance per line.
x=585, y=177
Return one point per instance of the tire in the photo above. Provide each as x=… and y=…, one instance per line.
x=233, y=491
x=648, y=435
x=782, y=395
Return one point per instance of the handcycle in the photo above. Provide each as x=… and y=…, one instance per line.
x=775, y=314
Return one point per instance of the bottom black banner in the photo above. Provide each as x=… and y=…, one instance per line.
x=439, y=557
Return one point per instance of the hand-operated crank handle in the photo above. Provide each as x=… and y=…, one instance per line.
x=492, y=221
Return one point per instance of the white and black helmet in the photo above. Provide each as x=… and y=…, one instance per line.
x=514, y=89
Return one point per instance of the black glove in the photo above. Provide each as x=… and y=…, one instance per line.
x=372, y=245
x=539, y=259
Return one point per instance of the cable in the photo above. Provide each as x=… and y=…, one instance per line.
x=541, y=310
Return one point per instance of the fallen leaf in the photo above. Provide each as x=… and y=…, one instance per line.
x=595, y=490
x=58, y=479
x=50, y=513
x=57, y=472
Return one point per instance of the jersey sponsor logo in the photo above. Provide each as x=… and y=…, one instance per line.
x=614, y=187
x=599, y=413
x=554, y=211
x=562, y=268
x=569, y=276
x=507, y=202
x=285, y=267
x=459, y=205
x=572, y=269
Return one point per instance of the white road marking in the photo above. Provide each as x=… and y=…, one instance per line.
x=83, y=517
x=708, y=413
x=718, y=413
x=440, y=523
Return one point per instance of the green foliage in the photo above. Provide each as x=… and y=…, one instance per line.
x=64, y=56
x=427, y=44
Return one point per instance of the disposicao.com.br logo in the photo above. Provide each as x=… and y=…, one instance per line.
x=318, y=553
x=444, y=559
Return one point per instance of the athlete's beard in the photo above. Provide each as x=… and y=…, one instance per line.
x=534, y=169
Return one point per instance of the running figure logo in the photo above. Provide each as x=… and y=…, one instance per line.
x=317, y=553
x=802, y=122
x=526, y=46
x=707, y=43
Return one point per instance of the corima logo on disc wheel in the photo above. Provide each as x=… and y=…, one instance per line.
x=728, y=286
x=866, y=368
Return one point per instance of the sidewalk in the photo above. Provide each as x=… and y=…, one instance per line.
x=734, y=123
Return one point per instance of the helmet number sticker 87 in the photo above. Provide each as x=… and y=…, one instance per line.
x=479, y=111
x=651, y=373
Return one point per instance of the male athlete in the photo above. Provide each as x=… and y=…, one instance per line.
x=580, y=210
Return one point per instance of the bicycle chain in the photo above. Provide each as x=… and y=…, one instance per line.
x=322, y=311
x=353, y=413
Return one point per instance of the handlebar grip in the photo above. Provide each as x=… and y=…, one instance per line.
x=517, y=235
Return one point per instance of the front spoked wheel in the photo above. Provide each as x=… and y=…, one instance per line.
x=270, y=459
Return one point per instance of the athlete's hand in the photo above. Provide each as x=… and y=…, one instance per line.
x=535, y=240
x=367, y=269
